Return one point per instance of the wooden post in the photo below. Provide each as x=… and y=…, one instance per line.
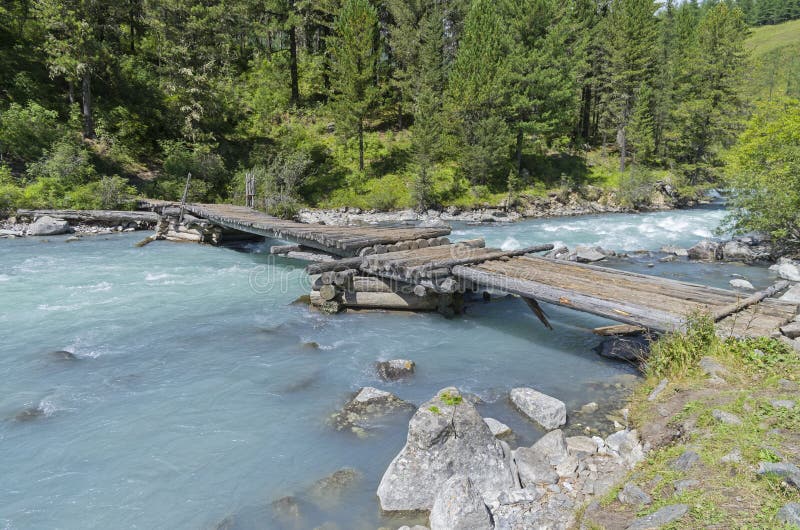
x=249, y=189
x=185, y=193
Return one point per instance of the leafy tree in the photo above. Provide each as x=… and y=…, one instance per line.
x=355, y=55
x=25, y=132
x=764, y=174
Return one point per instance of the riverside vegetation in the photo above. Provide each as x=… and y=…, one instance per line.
x=377, y=104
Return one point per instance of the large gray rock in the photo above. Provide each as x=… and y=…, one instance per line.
x=728, y=418
x=498, y=428
x=395, y=369
x=741, y=283
x=552, y=446
x=534, y=468
x=48, y=226
x=633, y=495
x=791, y=330
x=459, y=505
x=792, y=295
x=737, y=251
x=633, y=348
x=581, y=446
x=790, y=514
x=660, y=518
x=706, y=250
x=787, y=269
x=547, y=411
x=686, y=461
x=589, y=254
x=446, y=436
x=785, y=470
x=366, y=405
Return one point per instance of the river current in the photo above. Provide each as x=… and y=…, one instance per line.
x=199, y=393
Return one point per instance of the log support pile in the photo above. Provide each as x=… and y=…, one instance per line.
x=190, y=229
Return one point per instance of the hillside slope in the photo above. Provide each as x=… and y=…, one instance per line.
x=776, y=61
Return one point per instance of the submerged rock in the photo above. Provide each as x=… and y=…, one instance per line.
x=329, y=490
x=459, y=505
x=446, y=436
x=545, y=410
x=30, y=414
x=63, y=355
x=48, y=226
x=366, y=405
x=395, y=369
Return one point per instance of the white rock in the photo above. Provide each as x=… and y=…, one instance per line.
x=48, y=226
x=787, y=269
x=739, y=283
x=792, y=295
x=498, y=428
x=547, y=411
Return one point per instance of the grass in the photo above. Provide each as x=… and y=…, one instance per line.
x=775, y=55
x=729, y=495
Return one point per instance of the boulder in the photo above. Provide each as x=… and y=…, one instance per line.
x=552, y=446
x=782, y=403
x=706, y=250
x=633, y=495
x=791, y=330
x=686, y=461
x=499, y=429
x=792, y=295
x=726, y=417
x=48, y=226
x=459, y=505
x=790, y=514
x=547, y=411
x=659, y=518
x=533, y=467
x=737, y=251
x=366, y=405
x=446, y=436
x=677, y=251
x=581, y=446
x=741, y=283
x=632, y=348
x=785, y=470
x=787, y=269
x=626, y=444
x=395, y=369
x=589, y=254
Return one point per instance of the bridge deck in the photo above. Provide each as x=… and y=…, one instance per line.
x=337, y=240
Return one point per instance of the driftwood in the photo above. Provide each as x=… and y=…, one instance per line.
x=618, y=329
x=95, y=216
x=755, y=298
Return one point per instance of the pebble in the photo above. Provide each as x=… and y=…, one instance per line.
x=726, y=417
x=782, y=403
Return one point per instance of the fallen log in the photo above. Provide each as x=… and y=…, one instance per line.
x=95, y=216
x=284, y=249
x=755, y=298
x=394, y=301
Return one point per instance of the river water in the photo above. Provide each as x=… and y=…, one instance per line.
x=197, y=392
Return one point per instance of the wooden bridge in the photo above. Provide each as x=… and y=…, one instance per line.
x=420, y=269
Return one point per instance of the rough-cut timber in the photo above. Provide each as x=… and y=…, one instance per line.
x=341, y=241
x=656, y=303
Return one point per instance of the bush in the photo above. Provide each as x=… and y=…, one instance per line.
x=209, y=176
x=47, y=192
x=636, y=187
x=109, y=193
x=25, y=132
x=67, y=161
x=676, y=353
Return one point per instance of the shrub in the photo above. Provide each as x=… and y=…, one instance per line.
x=676, y=353
x=209, y=175
x=47, y=192
x=25, y=132
x=109, y=193
x=67, y=161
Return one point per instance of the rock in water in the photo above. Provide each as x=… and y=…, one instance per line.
x=459, y=505
x=737, y=251
x=446, y=436
x=368, y=404
x=706, y=250
x=29, y=414
x=547, y=411
x=787, y=269
x=63, y=355
x=328, y=491
x=632, y=349
x=395, y=369
x=589, y=254
x=740, y=283
x=48, y=226
x=659, y=518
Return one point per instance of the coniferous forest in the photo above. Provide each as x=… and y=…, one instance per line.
x=371, y=103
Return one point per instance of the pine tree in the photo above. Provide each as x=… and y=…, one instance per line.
x=355, y=54
x=631, y=30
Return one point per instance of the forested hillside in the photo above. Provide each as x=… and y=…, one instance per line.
x=371, y=103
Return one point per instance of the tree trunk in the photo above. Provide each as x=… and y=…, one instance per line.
x=293, y=59
x=622, y=141
x=86, y=93
x=361, y=144
x=71, y=92
x=520, y=138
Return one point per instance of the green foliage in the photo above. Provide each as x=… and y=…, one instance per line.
x=434, y=409
x=67, y=162
x=675, y=354
x=764, y=174
x=451, y=400
x=26, y=132
x=209, y=175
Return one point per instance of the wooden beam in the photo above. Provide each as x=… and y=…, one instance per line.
x=723, y=312
x=538, y=311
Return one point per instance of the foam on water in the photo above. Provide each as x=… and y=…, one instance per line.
x=193, y=396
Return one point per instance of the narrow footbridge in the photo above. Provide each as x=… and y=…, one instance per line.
x=420, y=269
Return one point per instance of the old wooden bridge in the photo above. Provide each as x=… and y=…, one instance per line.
x=420, y=269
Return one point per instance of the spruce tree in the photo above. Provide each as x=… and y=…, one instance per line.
x=355, y=55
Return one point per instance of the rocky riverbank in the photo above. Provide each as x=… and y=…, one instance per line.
x=588, y=200
x=79, y=222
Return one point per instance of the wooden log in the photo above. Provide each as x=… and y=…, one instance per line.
x=395, y=301
x=327, y=277
x=474, y=243
x=283, y=249
x=420, y=290
x=328, y=292
x=371, y=284
x=347, y=263
x=755, y=298
x=538, y=311
x=310, y=256
x=147, y=240
x=342, y=278
x=94, y=216
x=468, y=260
x=618, y=329
x=619, y=311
